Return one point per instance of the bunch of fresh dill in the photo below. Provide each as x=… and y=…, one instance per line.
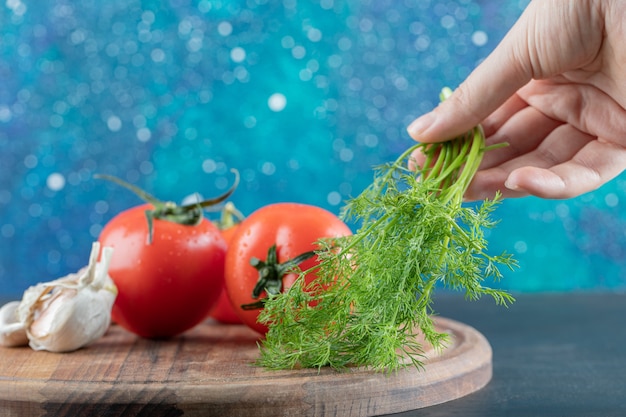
x=371, y=305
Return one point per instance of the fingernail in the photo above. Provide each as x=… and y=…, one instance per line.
x=420, y=125
x=511, y=185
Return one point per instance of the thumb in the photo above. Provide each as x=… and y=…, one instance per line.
x=497, y=78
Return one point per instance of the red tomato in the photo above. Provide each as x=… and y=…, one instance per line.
x=169, y=285
x=294, y=229
x=223, y=311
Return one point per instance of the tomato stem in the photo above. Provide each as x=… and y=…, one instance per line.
x=229, y=217
x=189, y=214
x=271, y=274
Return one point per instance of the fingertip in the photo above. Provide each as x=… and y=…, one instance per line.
x=511, y=184
x=416, y=159
x=489, y=183
x=542, y=183
x=521, y=180
x=448, y=120
x=420, y=125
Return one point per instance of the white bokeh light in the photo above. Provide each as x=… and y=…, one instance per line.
x=55, y=181
x=277, y=102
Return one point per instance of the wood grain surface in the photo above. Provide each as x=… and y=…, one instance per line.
x=210, y=371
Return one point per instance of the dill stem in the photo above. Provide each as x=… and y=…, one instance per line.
x=426, y=291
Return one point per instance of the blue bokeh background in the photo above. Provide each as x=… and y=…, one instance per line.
x=302, y=97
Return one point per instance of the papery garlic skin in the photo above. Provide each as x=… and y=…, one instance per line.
x=69, y=313
x=12, y=331
x=71, y=319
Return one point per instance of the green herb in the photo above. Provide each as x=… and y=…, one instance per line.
x=371, y=305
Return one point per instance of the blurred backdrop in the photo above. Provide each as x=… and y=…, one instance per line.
x=302, y=97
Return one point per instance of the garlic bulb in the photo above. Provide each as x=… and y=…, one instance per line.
x=12, y=332
x=70, y=312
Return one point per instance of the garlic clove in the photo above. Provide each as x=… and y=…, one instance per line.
x=70, y=312
x=12, y=331
x=71, y=319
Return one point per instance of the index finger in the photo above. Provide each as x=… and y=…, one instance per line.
x=490, y=85
x=477, y=97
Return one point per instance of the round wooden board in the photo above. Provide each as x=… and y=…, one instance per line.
x=209, y=371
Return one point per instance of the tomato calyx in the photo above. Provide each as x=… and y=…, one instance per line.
x=188, y=214
x=271, y=274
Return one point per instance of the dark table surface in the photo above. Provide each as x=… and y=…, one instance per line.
x=553, y=355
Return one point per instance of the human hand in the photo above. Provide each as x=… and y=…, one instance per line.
x=555, y=90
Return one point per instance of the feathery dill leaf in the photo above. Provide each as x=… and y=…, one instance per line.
x=371, y=305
